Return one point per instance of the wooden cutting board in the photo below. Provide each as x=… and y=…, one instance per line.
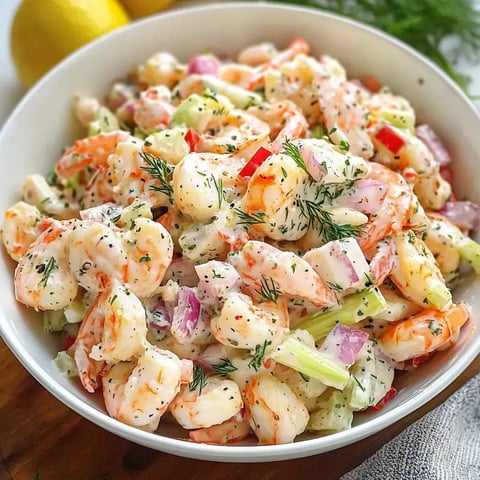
x=42, y=439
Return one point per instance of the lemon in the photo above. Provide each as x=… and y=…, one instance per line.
x=142, y=8
x=45, y=31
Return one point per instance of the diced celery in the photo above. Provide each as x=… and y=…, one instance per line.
x=333, y=415
x=308, y=360
x=66, y=364
x=168, y=144
x=354, y=308
x=137, y=209
x=53, y=320
x=398, y=118
x=360, y=390
x=240, y=97
x=105, y=121
x=470, y=251
x=437, y=293
x=196, y=111
x=398, y=307
x=75, y=312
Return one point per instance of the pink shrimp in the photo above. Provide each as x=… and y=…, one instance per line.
x=297, y=46
x=99, y=189
x=90, y=151
x=154, y=108
x=113, y=330
x=231, y=431
x=394, y=212
x=425, y=332
x=286, y=121
x=382, y=260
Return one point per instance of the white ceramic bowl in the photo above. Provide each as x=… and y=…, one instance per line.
x=43, y=123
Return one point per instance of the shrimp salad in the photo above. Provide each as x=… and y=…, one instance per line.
x=247, y=247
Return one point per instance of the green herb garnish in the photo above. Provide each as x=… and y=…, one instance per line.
x=161, y=171
x=256, y=361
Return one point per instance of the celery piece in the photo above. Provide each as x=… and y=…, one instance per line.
x=53, y=320
x=105, y=121
x=137, y=209
x=354, y=308
x=437, y=293
x=398, y=118
x=66, y=364
x=240, y=97
x=75, y=312
x=360, y=389
x=470, y=251
x=333, y=415
x=308, y=360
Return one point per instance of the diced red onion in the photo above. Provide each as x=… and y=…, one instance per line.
x=338, y=253
x=158, y=317
x=435, y=145
x=344, y=343
x=464, y=214
x=314, y=165
x=187, y=313
x=203, y=64
x=366, y=196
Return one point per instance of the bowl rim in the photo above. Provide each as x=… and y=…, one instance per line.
x=235, y=453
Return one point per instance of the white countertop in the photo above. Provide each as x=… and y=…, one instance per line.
x=11, y=90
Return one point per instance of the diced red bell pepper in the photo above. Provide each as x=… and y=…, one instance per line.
x=69, y=341
x=257, y=159
x=372, y=83
x=382, y=402
x=192, y=138
x=390, y=139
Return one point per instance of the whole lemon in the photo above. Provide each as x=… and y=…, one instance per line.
x=45, y=31
x=142, y=8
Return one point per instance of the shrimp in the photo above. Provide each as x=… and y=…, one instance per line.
x=213, y=401
x=241, y=324
x=265, y=268
x=343, y=113
x=114, y=329
x=49, y=199
x=258, y=54
x=199, y=183
x=99, y=189
x=20, y=228
x=393, y=214
x=297, y=46
x=275, y=414
x=129, y=168
x=149, y=250
x=162, y=68
x=424, y=333
x=97, y=256
x=230, y=431
x=43, y=279
x=285, y=119
x=272, y=197
x=91, y=151
x=441, y=238
x=416, y=274
x=432, y=190
x=154, y=108
x=382, y=260
x=139, y=393
x=239, y=132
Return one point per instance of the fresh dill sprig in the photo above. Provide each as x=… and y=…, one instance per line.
x=161, y=171
x=256, y=361
x=249, y=219
x=323, y=220
x=199, y=379
x=269, y=290
x=46, y=270
x=294, y=153
x=224, y=368
x=423, y=24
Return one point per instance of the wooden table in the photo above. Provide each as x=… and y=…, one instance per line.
x=41, y=438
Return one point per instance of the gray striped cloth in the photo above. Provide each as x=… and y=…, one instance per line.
x=442, y=445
